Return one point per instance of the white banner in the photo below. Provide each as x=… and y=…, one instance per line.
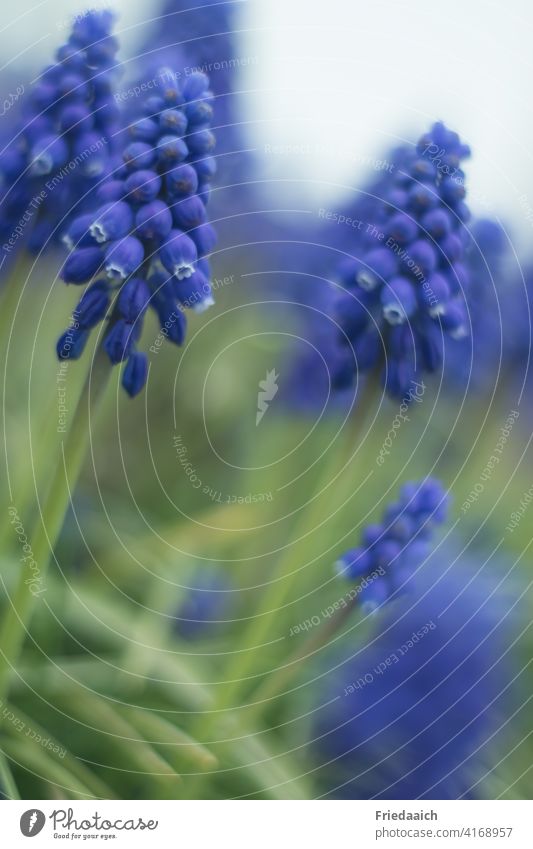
x=250, y=824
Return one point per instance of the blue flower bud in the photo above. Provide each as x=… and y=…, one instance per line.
x=133, y=299
x=181, y=181
x=198, y=112
x=172, y=319
x=171, y=150
x=387, y=551
x=437, y=223
x=396, y=199
x=351, y=311
x=135, y=373
x=73, y=85
x=454, y=319
x=458, y=278
x=78, y=233
x=82, y=265
x=205, y=239
x=379, y=265
x=113, y=221
x=102, y=51
x=195, y=86
x=367, y=348
x=124, y=257
x=153, y=106
x=200, y=142
x=188, y=213
x=195, y=292
x=341, y=369
x=452, y=248
x=372, y=534
x=401, y=228
x=424, y=170
x=373, y=596
x=93, y=305
x=154, y=220
x=423, y=255
x=120, y=340
x=452, y=189
x=170, y=90
x=434, y=294
x=431, y=346
x=139, y=154
x=142, y=186
x=422, y=197
x=206, y=168
x=111, y=190
x=398, y=299
x=145, y=129
x=70, y=57
x=71, y=343
x=44, y=95
x=462, y=212
x=48, y=153
x=354, y=563
x=75, y=118
x=399, y=377
x=92, y=156
x=172, y=121
x=178, y=254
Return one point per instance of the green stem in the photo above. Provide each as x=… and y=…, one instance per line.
x=31, y=582
x=11, y=296
x=289, y=565
x=7, y=782
x=71, y=763
x=288, y=568
x=33, y=758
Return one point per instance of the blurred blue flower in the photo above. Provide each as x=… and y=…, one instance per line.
x=403, y=279
x=391, y=551
x=62, y=145
x=203, y=610
x=416, y=710
x=149, y=239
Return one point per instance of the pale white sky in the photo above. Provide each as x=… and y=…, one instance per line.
x=348, y=77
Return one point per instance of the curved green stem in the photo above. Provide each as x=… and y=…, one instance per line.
x=31, y=583
x=288, y=569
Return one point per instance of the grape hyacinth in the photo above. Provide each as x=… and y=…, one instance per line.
x=147, y=243
x=63, y=144
x=403, y=285
x=391, y=551
x=418, y=708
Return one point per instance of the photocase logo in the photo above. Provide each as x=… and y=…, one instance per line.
x=267, y=391
x=32, y=822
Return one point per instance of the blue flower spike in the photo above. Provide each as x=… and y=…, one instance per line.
x=149, y=236
x=391, y=551
x=406, y=281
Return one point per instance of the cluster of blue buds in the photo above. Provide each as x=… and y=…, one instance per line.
x=391, y=551
x=63, y=143
x=403, y=287
x=147, y=242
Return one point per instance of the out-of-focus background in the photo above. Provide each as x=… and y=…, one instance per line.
x=187, y=501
